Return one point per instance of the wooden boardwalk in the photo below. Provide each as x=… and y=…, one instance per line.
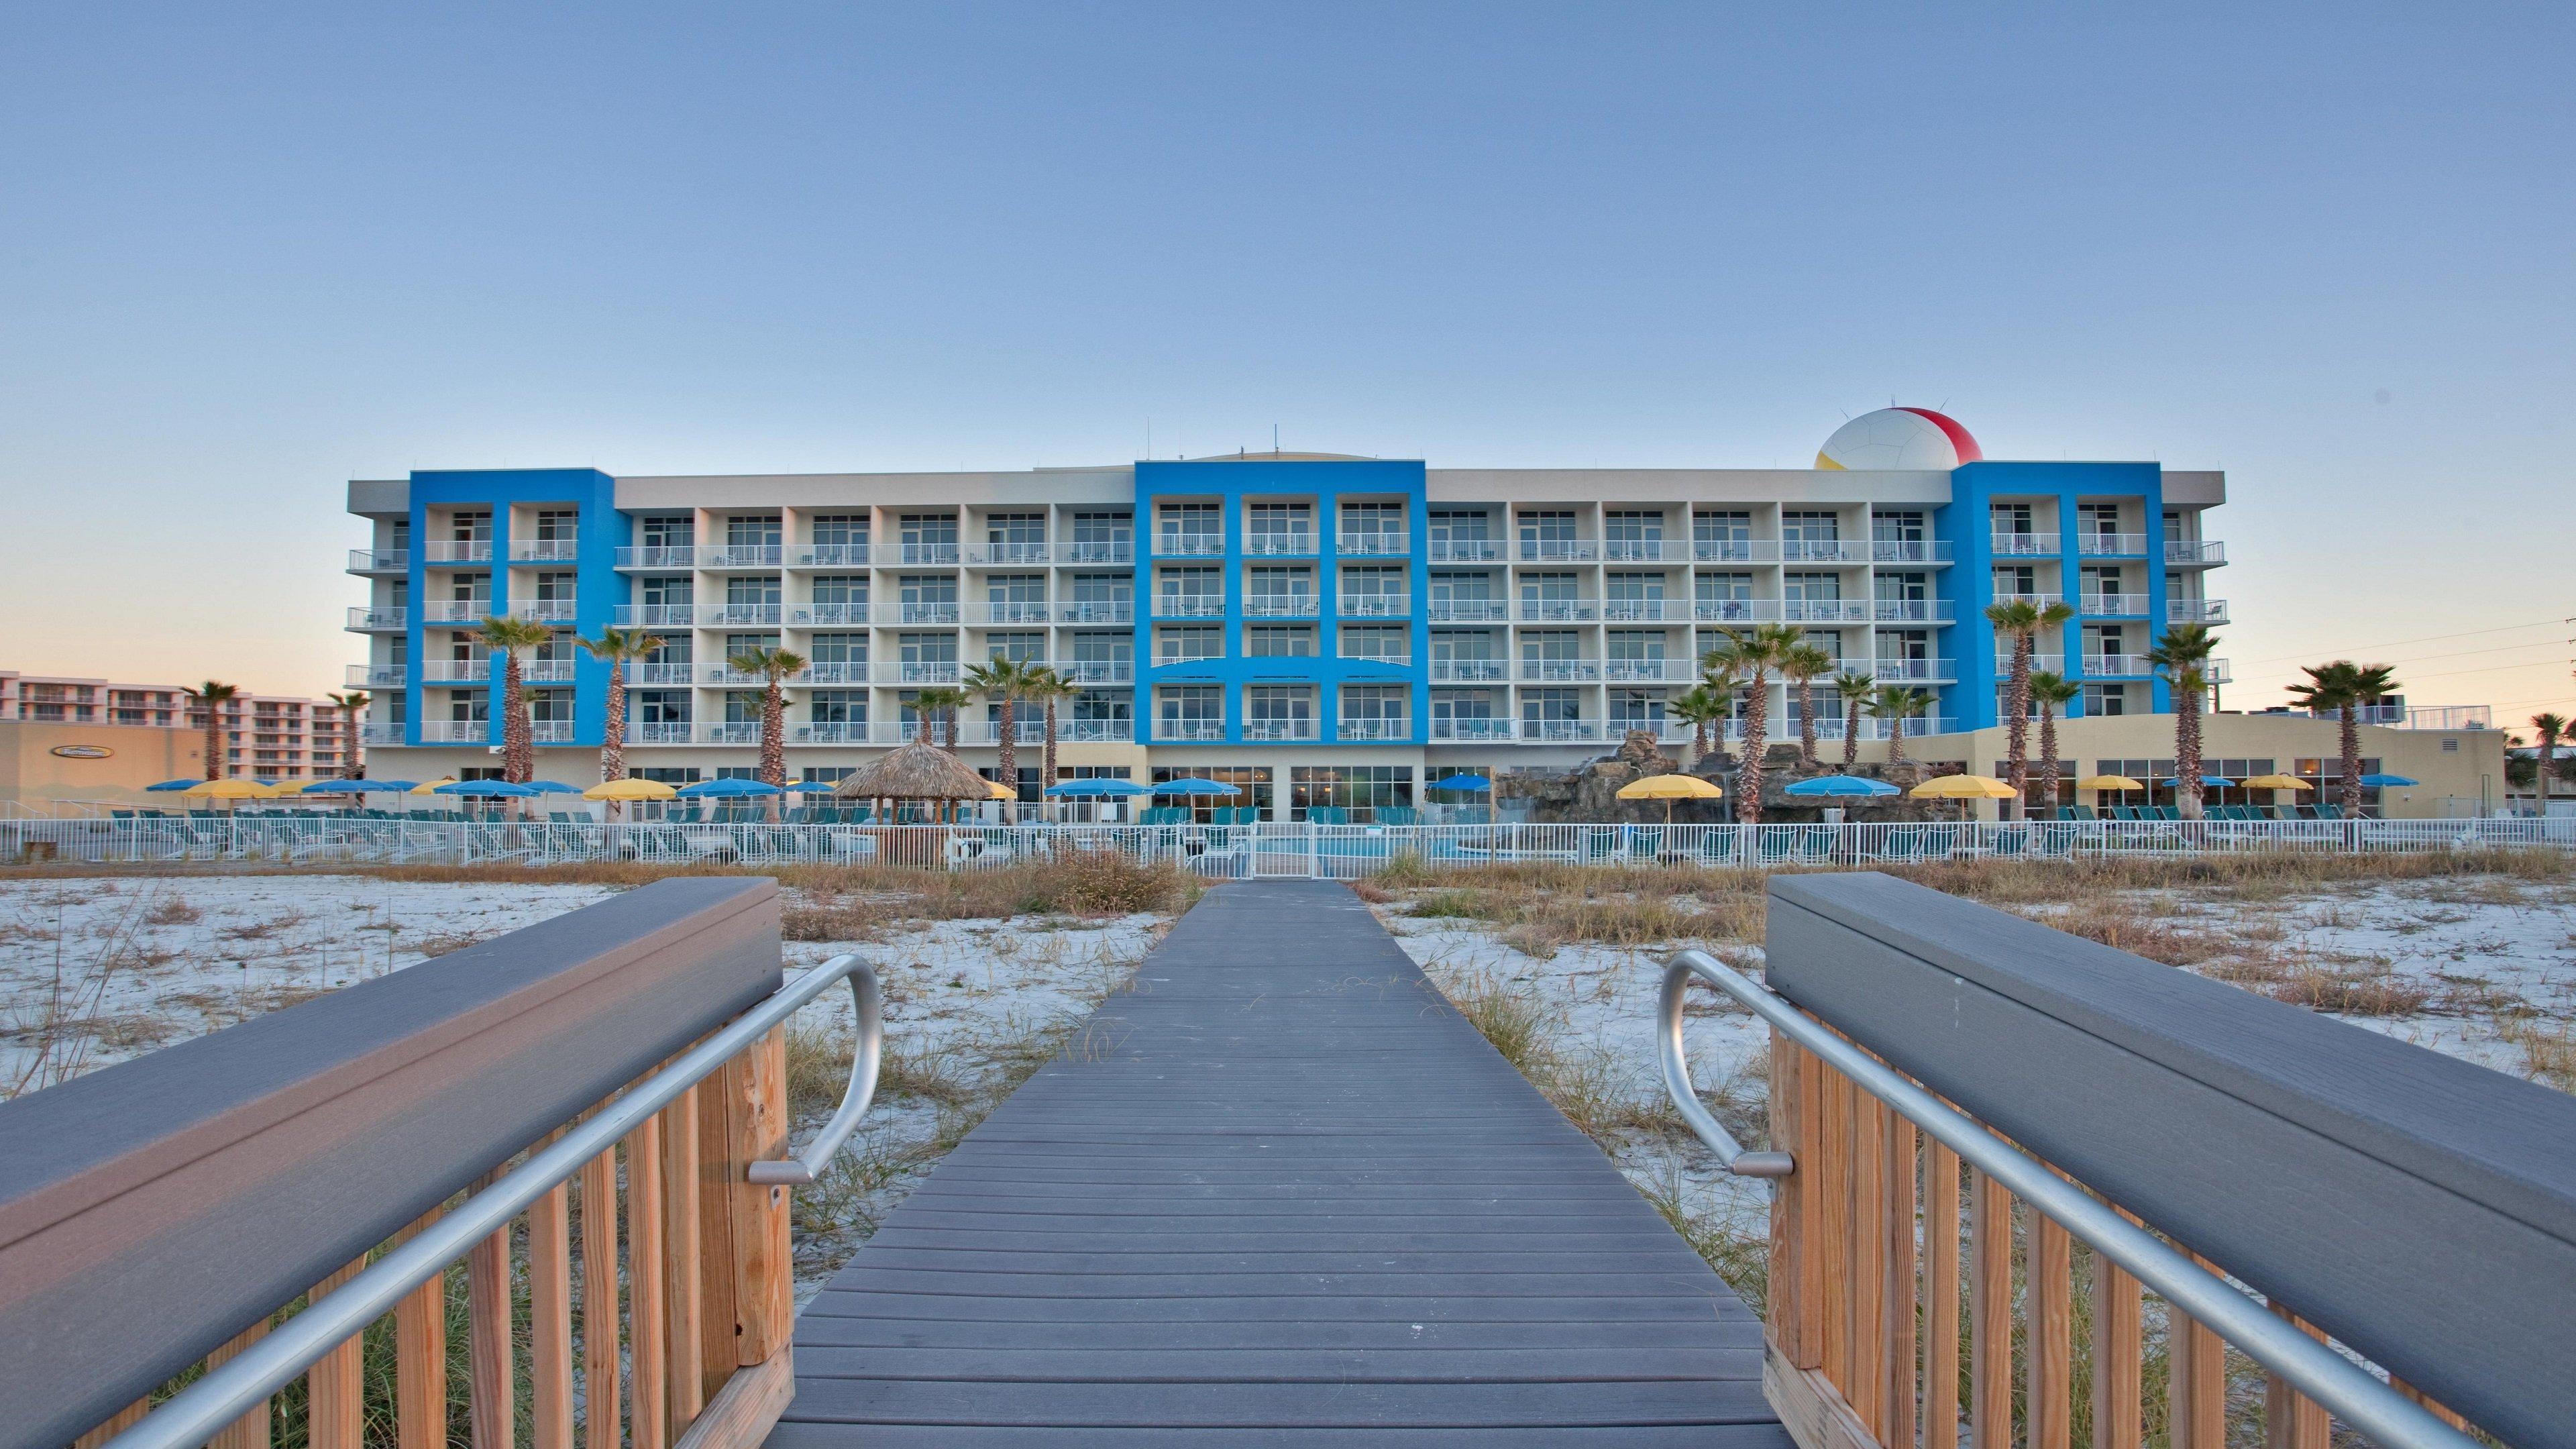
x=1283, y=1194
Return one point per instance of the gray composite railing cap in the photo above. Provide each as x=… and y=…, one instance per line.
x=151, y=1210
x=2418, y=1206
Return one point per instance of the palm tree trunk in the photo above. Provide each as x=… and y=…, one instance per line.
x=1851, y=734
x=1748, y=775
x=518, y=743
x=773, y=740
x=2047, y=760
x=948, y=728
x=1895, y=741
x=612, y=740
x=2017, y=728
x=920, y=725
x=357, y=760
x=214, y=743
x=1699, y=740
x=2350, y=718
x=2187, y=765
x=1807, y=723
x=1006, y=755
x=1046, y=774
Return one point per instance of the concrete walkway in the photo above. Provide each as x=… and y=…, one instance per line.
x=1281, y=1193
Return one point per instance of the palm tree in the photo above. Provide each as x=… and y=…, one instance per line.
x=212, y=697
x=1048, y=689
x=617, y=646
x=2022, y=622
x=1800, y=666
x=350, y=705
x=773, y=666
x=1700, y=706
x=510, y=637
x=1897, y=703
x=944, y=701
x=2551, y=728
x=1002, y=682
x=1854, y=686
x=2053, y=692
x=2181, y=655
x=1749, y=656
x=2344, y=687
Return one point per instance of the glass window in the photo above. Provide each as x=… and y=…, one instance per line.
x=1279, y=641
x=1357, y=791
x=1386, y=644
x=751, y=530
x=1186, y=643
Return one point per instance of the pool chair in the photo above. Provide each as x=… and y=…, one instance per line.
x=1901, y=843
x=1398, y=815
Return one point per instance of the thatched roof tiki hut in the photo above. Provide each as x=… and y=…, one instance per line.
x=915, y=772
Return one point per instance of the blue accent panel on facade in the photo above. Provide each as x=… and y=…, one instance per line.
x=597, y=587
x=1967, y=525
x=1325, y=483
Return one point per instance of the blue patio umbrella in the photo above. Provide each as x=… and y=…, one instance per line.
x=1462, y=781
x=359, y=787
x=169, y=786
x=553, y=787
x=1195, y=787
x=2389, y=781
x=2214, y=782
x=485, y=789
x=1840, y=787
x=1103, y=788
x=730, y=786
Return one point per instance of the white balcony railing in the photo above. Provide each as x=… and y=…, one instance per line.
x=1097, y=611
x=1188, y=731
x=550, y=732
x=2428, y=717
x=1279, y=730
x=1465, y=550
x=456, y=671
x=1010, y=611
x=457, y=551
x=1560, y=731
x=1558, y=611
x=1644, y=611
x=741, y=556
x=1174, y=658
x=1648, y=671
x=725, y=676
x=919, y=671
x=1910, y=611
x=661, y=732
x=1825, y=611
x=827, y=556
x=829, y=732
x=809, y=616
x=1643, y=550
x=558, y=609
x=1909, y=551
x=649, y=675
x=1094, y=731
x=2036, y=601
x=1098, y=671
x=2195, y=611
x=2114, y=605
x=2182, y=552
x=2216, y=671
x=1735, y=550
x=1558, y=550
x=1879, y=729
x=379, y=560
x=2111, y=545
x=1096, y=551
x=1375, y=606
x=375, y=676
x=1561, y=671
x=1372, y=729
x=1914, y=671
x=2025, y=545
x=1823, y=550
x=658, y=556
x=2116, y=666
x=1479, y=728
x=1373, y=545
x=1468, y=611
x=1278, y=545
x=1189, y=606
x=729, y=732
x=545, y=671
x=457, y=732
x=923, y=555
x=544, y=550
x=381, y=732
x=455, y=611
x=1189, y=545
x=738, y=616
x=919, y=611
x=1280, y=606
x=1008, y=553
x=656, y=616
x=377, y=621
x=1469, y=671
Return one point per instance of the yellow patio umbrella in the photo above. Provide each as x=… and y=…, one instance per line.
x=630, y=788
x=1963, y=787
x=232, y=788
x=1669, y=788
x=285, y=788
x=2108, y=782
x=430, y=787
x=1000, y=791
x=2276, y=782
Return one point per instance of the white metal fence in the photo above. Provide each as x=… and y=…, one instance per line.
x=1336, y=852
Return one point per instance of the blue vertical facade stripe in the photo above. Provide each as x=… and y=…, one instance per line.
x=1967, y=525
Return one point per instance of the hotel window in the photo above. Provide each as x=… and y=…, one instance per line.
x=1280, y=528
x=931, y=656
x=2106, y=699
x=1632, y=533
x=1197, y=590
x=1633, y=653
x=1188, y=643
x=926, y=598
x=1551, y=653
x=1191, y=528
x=1461, y=535
x=828, y=774
x=928, y=538
x=1016, y=537
x=1634, y=709
x=1550, y=596
x=1374, y=711
x=1725, y=598
x=741, y=707
x=1812, y=588
x=1356, y=792
x=2015, y=579
x=1465, y=654
x=558, y=525
x=2099, y=579
x=1632, y=596
x=840, y=538
x=1386, y=645
x=1810, y=534
x=1899, y=648
x=1016, y=598
x=470, y=526
x=1897, y=528
x=667, y=531
x=1544, y=712
x=839, y=707
x=1724, y=535
x=1372, y=527
x=1024, y=648
x=752, y=591
x=1187, y=710
x=1547, y=534
x=1462, y=594
x=840, y=598
x=2098, y=520
x=1279, y=591
x=1102, y=537
x=1373, y=589
x=1279, y=641
x=1279, y=711
x=1101, y=654
x=839, y=656
x=2011, y=520
x=751, y=530
x=1252, y=781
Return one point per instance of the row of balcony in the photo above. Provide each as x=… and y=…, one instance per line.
x=2176, y=552
x=1027, y=731
x=1443, y=728
x=2129, y=606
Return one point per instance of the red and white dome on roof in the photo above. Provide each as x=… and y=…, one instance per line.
x=1899, y=438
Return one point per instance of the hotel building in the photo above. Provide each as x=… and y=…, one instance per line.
x=269, y=736
x=1320, y=629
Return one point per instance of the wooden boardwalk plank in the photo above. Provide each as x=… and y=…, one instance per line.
x=1282, y=1194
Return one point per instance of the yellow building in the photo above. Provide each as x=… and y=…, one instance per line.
x=45, y=761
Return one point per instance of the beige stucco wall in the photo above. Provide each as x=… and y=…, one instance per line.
x=138, y=755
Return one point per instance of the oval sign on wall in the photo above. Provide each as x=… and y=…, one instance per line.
x=83, y=752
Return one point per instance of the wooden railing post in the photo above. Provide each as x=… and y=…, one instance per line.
x=1797, y=1272
x=2292, y=1420
x=1941, y=1297
x=1990, y=1335
x=1899, y=1295
x=683, y=1284
x=420, y=1360
x=745, y=1262
x=335, y=1385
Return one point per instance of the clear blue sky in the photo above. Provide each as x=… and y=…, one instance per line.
x=248, y=253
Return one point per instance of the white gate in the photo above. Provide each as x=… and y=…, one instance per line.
x=1282, y=851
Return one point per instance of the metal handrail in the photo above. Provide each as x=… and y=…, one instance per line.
x=192, y=1416
x=1677, y=1083
x=869, y=1000
x=2346, y=1389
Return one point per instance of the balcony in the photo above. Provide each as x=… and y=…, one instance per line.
x=1094, y=731
x=658, y=556
x=1371, y=545
x=2216, y=671
x=725, y=676
x=1188, y=731
x=1175, y=659
x=739, y=616
x=1469, y=671
x=836, y=672
x=1480, y=728
x=379, y=560
x=1375, y=606
x=1279, y=545
x=1465, y=550
x=1825, y=611
x=2036, y=601
x=442, y=552
x=1098, y=671
x=741, y=556
x=1097, y=611
x=2428, y=717
x=1189, y=606
x=1911, y=611
x=458, y=732
x=2117, y=666
x=2025, y=545
x=1558, y=611
x=1362, y=731
x=2111, y=545
x=1010, y=611
x=1644, y=611
x=1917, y=671
x=1559, y=550
x=1733, y=550
x=555, y=610
x=545, y=550
x=1823, y=550
x=828, y=556
x=377, y=621
x=730, y=732
x=2123, y=606
x=661, y=732
x=1909, y=551
x=381, y=732
x=1560, y=731
x=1280, y=606
x=1189, y=545
x=545, y=671
x=927, y=611
x=1560, y=671
x=808, y=616
x=919, y=671
x=2195, y=611
x=456, y=611
x=375, y=676
x=918, y=554
x=456, y=671
x=1879, y=729
x=1643, y=550
x=1649, y=671
x=830, y=732
x=990, y=555
x=550, y=732
x=655, y=616
x=1279, y=731
x=1468, y=611
x=2194, y=553
x=649, y=675
x=1096, y=551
